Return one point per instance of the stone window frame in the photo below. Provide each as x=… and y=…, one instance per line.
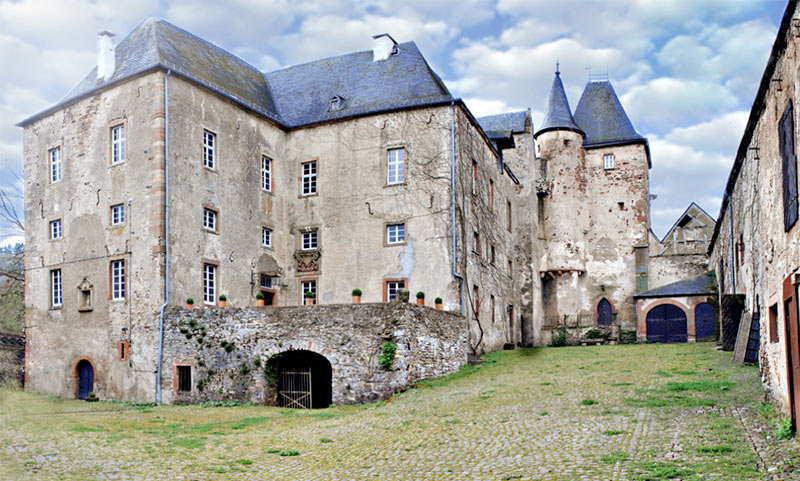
x=53, y=223
x=215, y=210
x=493, y=306
x=176, y=377
x=124, y=141
x=509, y=220
x=300, y=282
x=268, y=174
x=609, y=157
x=388, y=280
x=387, y=155
x=215, y=288
x=123, y=350
x=773, y=315
x=111, y=280
x=474, y=177
x=309, y=230
x=491, y=195
x=272, y=289
x=266, y=228
x=51, y=163
x=56, y=287
x=210, y=152
x=387, y=225
x=301, y=177
x=121, y=205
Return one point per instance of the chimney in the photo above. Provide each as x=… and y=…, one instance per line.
x=105, y=55
x=383, y=47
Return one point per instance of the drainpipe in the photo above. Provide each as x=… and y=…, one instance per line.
x=166, y=233
x=733, y=247
x=453, y=198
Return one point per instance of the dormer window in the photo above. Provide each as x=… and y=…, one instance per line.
x=336, y=103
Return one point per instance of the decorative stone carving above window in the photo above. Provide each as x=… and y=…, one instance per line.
x=85, y=288
x=307, y=261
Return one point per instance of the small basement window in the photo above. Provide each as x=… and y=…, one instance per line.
x=184, y=378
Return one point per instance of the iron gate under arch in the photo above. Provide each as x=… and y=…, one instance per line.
x=304, y=380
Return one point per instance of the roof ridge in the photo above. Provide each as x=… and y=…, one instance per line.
x=332, y=57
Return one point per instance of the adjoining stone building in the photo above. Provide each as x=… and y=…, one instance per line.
x=755, y=248
x=176, y=170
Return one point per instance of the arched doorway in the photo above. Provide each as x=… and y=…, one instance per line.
x=304, y=380
x=666, y=323
x=604, y=315
x=85, y=378
x=705, y=322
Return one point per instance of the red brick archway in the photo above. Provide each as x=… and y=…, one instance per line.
x=75, y=381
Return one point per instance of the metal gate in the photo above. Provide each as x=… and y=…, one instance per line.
x=666, y=323
x=294, y=388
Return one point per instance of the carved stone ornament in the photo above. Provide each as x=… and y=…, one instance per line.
x=307, y=261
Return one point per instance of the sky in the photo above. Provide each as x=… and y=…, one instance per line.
x=686, y=71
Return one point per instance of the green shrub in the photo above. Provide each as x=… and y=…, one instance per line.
x=223, y=298
x=559, y=339
x=356, y=292
x=386, y=358
x=309, y=295
x=596, y=334
x=420, y=295
x=783, y=429
x=260, y=295
x=190, y=300
x=438, y=300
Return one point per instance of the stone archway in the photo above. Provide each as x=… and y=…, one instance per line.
x=303, y=379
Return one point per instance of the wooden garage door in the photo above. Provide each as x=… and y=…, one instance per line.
x=666, y=323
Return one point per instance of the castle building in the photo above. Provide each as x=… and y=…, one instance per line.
x=177, y=171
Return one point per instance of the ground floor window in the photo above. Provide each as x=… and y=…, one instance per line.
x=209, y=284
x=391, y=288
x=184, y=374
x=308, y=286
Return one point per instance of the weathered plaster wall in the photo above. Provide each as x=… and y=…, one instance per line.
x=665, y=269
x=429, y=343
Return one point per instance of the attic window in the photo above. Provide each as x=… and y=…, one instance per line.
x=336, y=103
x=395, y=50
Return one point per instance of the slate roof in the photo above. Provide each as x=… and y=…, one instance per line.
x=601, y=116
x=557, y=112
x=292, y=97
x=703, y=284
x=504, y=125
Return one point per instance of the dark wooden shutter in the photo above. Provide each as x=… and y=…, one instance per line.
x=786, y=139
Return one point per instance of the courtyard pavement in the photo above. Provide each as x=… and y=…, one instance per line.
x=638, y=412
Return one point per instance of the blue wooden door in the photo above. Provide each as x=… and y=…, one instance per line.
x=604, y=313
x=704, y=322
x=676, y=324
x=85, y=379
x=666, y=323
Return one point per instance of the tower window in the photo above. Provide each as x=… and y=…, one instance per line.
x=608, y=161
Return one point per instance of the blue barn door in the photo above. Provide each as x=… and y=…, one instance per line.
x=705, y=322
x=604, y=312
x=666, y=323
x=85, y=379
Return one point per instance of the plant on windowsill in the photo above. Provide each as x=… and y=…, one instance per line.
x=438, y=303
x=260, y=299
x=309, y=297
x=356, y=296
x=420, y=298
x=223, y=301
x=189, y=303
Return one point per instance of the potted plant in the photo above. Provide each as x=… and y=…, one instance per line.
x=420, y=298
x=260, y=299
x=309, y=297
x=223, y=301
x=356, y=296
x=438, y=303
x=92, y=397
x=189, y=303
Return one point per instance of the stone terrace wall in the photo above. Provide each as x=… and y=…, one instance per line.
x=12, y=359
x=429, y=343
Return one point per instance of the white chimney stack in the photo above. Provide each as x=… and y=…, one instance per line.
x=383, y=46
x=106, y=62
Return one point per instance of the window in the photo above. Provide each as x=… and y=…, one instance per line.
x=209, y=219
x=476, y=242
x=55, y=165
x=309, y=177
x=773, y=323
x=310, y=240
x=508, y=211
x=491, y=254
x=510, y=267
x=608, y=161
x=184, y=375
x=55, y=229
x=266, y=281
x=474, y=177
x=209, y=284
x=789, y=165
x=396, y=166
x=392, y=288
x=123, y=349
x=266, y=237
x=55, y=288
x=308, y=286
x=476, y=301
x=266, y=173
x=336, y=103
x=118, y=280
x=491, y=298
x=209, y=150
x=117, y=214
x=491, y=195
x=118, y=144
x=396, y=234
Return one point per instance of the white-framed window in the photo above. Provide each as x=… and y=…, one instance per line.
x=56, y=288
x=310, y=241
x=118, y=280
x=393, y=288
x=395, y=233
x=118, y=144
x=209, y=284
x=266, y=173
x=55, y=229
x=209, y=150
x=209, y=219
x=608, y=161
x=266, y=237
x=266, y=281
x=118, y=214
x=396, y=166
x=55, y=165
x=308, y=286
x=309, y=177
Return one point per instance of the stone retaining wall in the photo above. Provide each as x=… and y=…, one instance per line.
x=12, y=359
x=229, y=349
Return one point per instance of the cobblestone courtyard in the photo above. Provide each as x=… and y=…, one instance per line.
x=640, y=412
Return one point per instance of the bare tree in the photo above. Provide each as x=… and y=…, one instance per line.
x=12, y=257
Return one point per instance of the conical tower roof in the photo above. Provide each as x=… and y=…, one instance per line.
x=602, y=118
x=558, y=116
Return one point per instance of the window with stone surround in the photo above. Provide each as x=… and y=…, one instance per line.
x=56, y=289
x=309, y=178
x=117, y=214
x=209, y=150
x=118, y=144
x=396, y=166
x=209, y=284
x=55, y=229
x=608, y=161
x=395, y=234
x=266, y=237
x=391, y=288
x=55, y=164
x=118, y=280
x=266, y=173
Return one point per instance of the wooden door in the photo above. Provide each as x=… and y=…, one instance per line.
x=604, y=316
x=792, y=348
x=705, y=320
x=85, y=379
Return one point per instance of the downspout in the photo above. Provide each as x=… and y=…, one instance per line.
x=733, y=247
x=166, y=235
x=453, y=199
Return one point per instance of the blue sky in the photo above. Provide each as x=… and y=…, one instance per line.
x=686, y=71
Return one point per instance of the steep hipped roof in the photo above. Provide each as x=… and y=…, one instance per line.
x=504, y=125
x=558, y=115
x=304, y=92
x=601, y=116
x=292, y=97
x=703, y=284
